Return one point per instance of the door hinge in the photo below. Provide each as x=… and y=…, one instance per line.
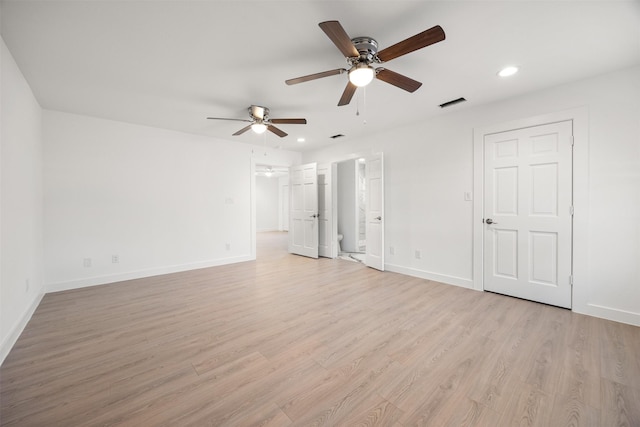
x=571, y=210
x=571, y=140
x=571, y=280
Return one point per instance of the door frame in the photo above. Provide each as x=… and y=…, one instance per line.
x=334, y=214
x=579, y=118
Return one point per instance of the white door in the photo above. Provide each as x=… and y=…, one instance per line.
x=327, y=226
x=303, y=229
x=528, y=213
x=374, y=170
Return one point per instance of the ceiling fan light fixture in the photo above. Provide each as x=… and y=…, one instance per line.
x=259, y=128
x=361, y=74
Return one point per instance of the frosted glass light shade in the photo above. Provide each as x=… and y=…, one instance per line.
x=361, y=75
x=259, y=128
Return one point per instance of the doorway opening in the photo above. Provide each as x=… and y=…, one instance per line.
x=351, y=209
x=272, y=201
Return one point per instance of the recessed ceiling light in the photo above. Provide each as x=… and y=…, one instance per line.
x=508, y=71
x=300, y=139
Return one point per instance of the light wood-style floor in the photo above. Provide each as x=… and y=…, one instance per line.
x=288, y=340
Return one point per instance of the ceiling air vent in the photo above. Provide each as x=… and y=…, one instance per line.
x=336, y=136
x=453, y=102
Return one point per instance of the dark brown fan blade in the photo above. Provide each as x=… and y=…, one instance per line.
x=424, y=39
x=347, y=94
x=315, y=76
x=339, y=37
x=398, y=80
x=243, y=130
x=277, y=131
x=289, y=121
x=222, y=118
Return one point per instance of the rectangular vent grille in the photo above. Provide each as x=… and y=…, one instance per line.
x=453, y=102
x=337, y=136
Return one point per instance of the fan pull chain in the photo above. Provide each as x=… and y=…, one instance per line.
x=264, y=143
x=364, y=105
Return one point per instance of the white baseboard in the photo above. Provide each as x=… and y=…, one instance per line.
x=442, y=278
x=139, y=274
x=14, y=334
x=609, y=313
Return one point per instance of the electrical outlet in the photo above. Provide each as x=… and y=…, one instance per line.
x=26, y=285
x=468, y=196
x=228, y=246
x=115, y=259
x=86, y=262
x=392, y=250
x=418, y=254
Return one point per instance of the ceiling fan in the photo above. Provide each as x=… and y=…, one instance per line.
x=361, y=52
x=259, y=121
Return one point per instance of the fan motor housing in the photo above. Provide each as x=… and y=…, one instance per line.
x=366, y=46
x=258, y=112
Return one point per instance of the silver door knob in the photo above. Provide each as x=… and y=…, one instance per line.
x=314, y=216
x=379, y=218
x=490, y=221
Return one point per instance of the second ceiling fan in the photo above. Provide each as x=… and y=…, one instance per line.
x=259, y=121
x=362, y=52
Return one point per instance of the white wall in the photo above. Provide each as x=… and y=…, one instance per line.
x=429, y=167
x=160, y=200
x=267, y=203
x=21, y=217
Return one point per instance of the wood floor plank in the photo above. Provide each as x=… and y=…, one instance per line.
x=378, y=413
x=529, y=406
x=620, y=404
x=288, y=340
x=571, y=412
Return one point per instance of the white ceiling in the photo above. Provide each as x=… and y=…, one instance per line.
x=170, y=64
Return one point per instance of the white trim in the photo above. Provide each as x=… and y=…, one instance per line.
x=580, y=119
x=139, y=274
x=428, y=275
x=14, y=334
x=609, y=313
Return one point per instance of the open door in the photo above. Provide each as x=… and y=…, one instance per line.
x=327, y=221
x=303, y=216
x=374, y=256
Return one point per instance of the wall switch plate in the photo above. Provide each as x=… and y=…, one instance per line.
x=86, y=262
